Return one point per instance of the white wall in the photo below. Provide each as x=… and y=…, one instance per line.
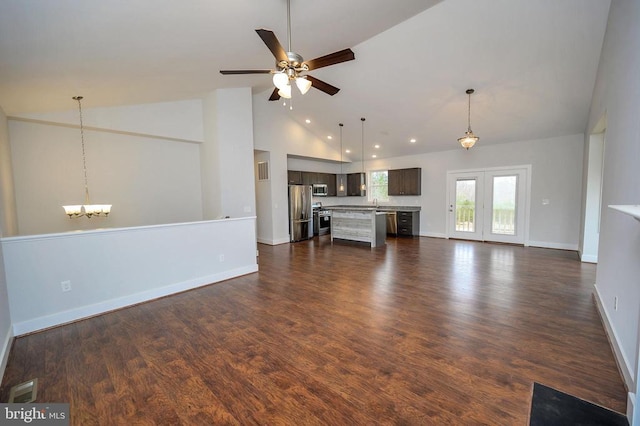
x=181, y=120
x=235, y=149
x=617, y=94
x=148, y=180
x=592, y=189
x=110, y=269
x=7, y=212
x=263, y=200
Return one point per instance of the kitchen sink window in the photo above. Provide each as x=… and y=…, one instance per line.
x=378, y=186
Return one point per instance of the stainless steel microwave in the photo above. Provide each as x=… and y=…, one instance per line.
x=320, y=189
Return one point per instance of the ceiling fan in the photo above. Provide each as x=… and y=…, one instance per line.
x=291, y=67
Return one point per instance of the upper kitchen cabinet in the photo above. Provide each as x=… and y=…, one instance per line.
x=354, y=184
x=405, y=181
x=294, y=177
x=328, y=179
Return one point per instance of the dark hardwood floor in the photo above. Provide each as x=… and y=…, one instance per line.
x=422, y=331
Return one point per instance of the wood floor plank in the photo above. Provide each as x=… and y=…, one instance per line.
x=420, y=331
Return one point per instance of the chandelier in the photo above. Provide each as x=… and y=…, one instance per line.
x=87, y=209
x=469, y=139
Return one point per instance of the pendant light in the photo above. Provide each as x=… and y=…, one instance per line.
x=341, y=186
x=87, y=209
x=363, y=187
x=469, y=139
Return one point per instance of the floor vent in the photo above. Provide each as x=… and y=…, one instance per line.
x=24, y=392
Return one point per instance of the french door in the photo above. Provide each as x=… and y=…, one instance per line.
x=489, y=204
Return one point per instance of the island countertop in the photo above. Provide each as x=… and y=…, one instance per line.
x=374, y=208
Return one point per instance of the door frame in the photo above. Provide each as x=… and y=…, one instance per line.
x=527, y=199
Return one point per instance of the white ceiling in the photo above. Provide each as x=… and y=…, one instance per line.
x=532, y=63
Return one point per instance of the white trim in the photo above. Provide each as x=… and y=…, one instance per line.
x=433, y=235
x=622, y=361
x=274, y=242
x=589, y=258
x=558, y=246
x=128, y=230
x=4, y=351
x=60, y=318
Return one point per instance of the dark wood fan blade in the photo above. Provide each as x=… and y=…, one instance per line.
x=331, y=59
x=321, y=85
x=273, y=44
x=235, y=72
x=274, y=95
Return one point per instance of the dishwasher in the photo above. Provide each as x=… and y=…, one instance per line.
x=392, y=223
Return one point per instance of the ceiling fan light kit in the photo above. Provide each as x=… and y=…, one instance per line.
x=290, y=66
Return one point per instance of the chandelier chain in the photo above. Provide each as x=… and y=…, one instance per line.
x=84, y=156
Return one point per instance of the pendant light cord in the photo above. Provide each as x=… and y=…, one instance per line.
x=340, y=124
x=469, y=114
x=362, y=119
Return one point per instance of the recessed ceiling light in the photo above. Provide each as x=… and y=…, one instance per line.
x=374, y=156
x=376, y=146
x=329, y=137
x=347, y=151
x=307, y=121
x=412, y=140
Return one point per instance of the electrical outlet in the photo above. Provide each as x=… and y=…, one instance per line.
x=222, y=258
x=66, y=286
x=615, y=303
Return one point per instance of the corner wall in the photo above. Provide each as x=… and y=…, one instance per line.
x=617, y=94
x=7, y=212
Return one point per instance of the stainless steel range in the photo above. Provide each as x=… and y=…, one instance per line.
x=321, y=220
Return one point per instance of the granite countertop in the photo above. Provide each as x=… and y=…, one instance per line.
x=374, y=208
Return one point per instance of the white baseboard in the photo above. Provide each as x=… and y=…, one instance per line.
x=76, y=314
x=559, y=246
x=433, y=235
x=274, y=242
x=4, y=351
x=589, y=258
x=623, y=363
x=631, y=405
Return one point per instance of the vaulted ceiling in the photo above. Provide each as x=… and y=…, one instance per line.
x=532, y=63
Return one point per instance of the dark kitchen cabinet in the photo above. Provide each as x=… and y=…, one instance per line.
x=309, y=178
x=408, y=223
x=405, y=181
x=294, y=177
x=328, y=179
x=354, y=184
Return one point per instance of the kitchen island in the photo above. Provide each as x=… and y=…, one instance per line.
x=358, y=223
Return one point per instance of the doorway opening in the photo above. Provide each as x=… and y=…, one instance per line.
x=489, y=204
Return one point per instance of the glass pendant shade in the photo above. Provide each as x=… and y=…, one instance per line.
x=285, y=92
x=303, y=84
x=280, y=80
x=468, y=140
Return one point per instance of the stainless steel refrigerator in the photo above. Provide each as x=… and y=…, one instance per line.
x=300, y=212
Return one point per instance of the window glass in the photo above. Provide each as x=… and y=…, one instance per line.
x=378, y=186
